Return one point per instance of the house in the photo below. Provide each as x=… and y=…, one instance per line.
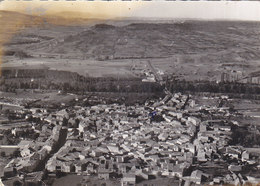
x=44, y=128
x=182, y=140
x=154, y=158
x=217, y=180
x=56, y=130
x=72, y=167
x=73, y=122
x=215, y=128
x=203, y=139
x=190, y=147
x=166, y=99
x=154, y=169
x=175, y=123
x=9, y=172
x=164, y=166
x=140, y=173
x=245, y=156
x=163, y=136
x=196, y=176
x=48, y=148
x=188, y=157
x=203, y=128
x=34, y=110
x=167, y=118
x=225, y=128
x=97, y=152
x=191, y=130
x=78, y=168
x=201, y=156
x=125, y=147
x=26, y=152
x=33, y=178
x=90, y=168
x=120, y=159
x=82, y=127
x=177, y=171
x=235, y=168
x=110, y=165
x=65, y=167
x=194, y=121
x=172, y=113
x=128, y=179
x=170, y=167
x=17, y=131
x=113, y=149
x=233, y=152
x=103, y=173
x=62, y=114
x=122, y=168
x=51, y=165
x=8, y=150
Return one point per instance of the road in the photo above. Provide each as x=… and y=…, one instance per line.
x=159, y=78
x=61, y=141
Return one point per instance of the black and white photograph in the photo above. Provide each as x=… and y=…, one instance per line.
x=129, y=93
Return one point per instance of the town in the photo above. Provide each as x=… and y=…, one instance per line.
x=108, y=104
x=170, y=138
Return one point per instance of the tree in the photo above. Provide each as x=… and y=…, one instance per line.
x=20, y=54
x=65, y=122
x=16, y=154
x=17, y=183
x=3, y=154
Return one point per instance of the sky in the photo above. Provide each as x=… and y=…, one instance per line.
x=221, y=10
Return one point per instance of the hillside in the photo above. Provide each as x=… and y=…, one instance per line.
x=191, y=48
x=153, y=40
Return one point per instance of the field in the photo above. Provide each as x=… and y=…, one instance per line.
x=192, y=50
x=91, y=68
x=250, y=109
x=28, y=96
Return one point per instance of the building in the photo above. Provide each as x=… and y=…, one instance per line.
x=9, y=172
x=128, y=179
x=7, y=150
x=103, y=173
x=177, y=171
x=196, y=176
x=245, y=156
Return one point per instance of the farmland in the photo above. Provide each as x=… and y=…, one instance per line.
x=191, y=50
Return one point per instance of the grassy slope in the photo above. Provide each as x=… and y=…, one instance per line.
x=195, y=49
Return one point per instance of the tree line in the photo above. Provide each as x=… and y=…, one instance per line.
x=72, y=82
x=212, y=87
x=93, y=85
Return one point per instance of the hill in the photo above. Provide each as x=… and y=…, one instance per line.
x=194, y=49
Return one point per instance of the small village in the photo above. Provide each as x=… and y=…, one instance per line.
x=171, y=138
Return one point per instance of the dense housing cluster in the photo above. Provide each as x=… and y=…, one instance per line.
x=169, y=138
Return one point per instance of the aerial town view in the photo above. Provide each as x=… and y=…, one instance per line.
x=130, y=102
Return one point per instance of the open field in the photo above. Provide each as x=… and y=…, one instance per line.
x=28, y=96
x=193, y=50
x=91, y=68
x=250, y=109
